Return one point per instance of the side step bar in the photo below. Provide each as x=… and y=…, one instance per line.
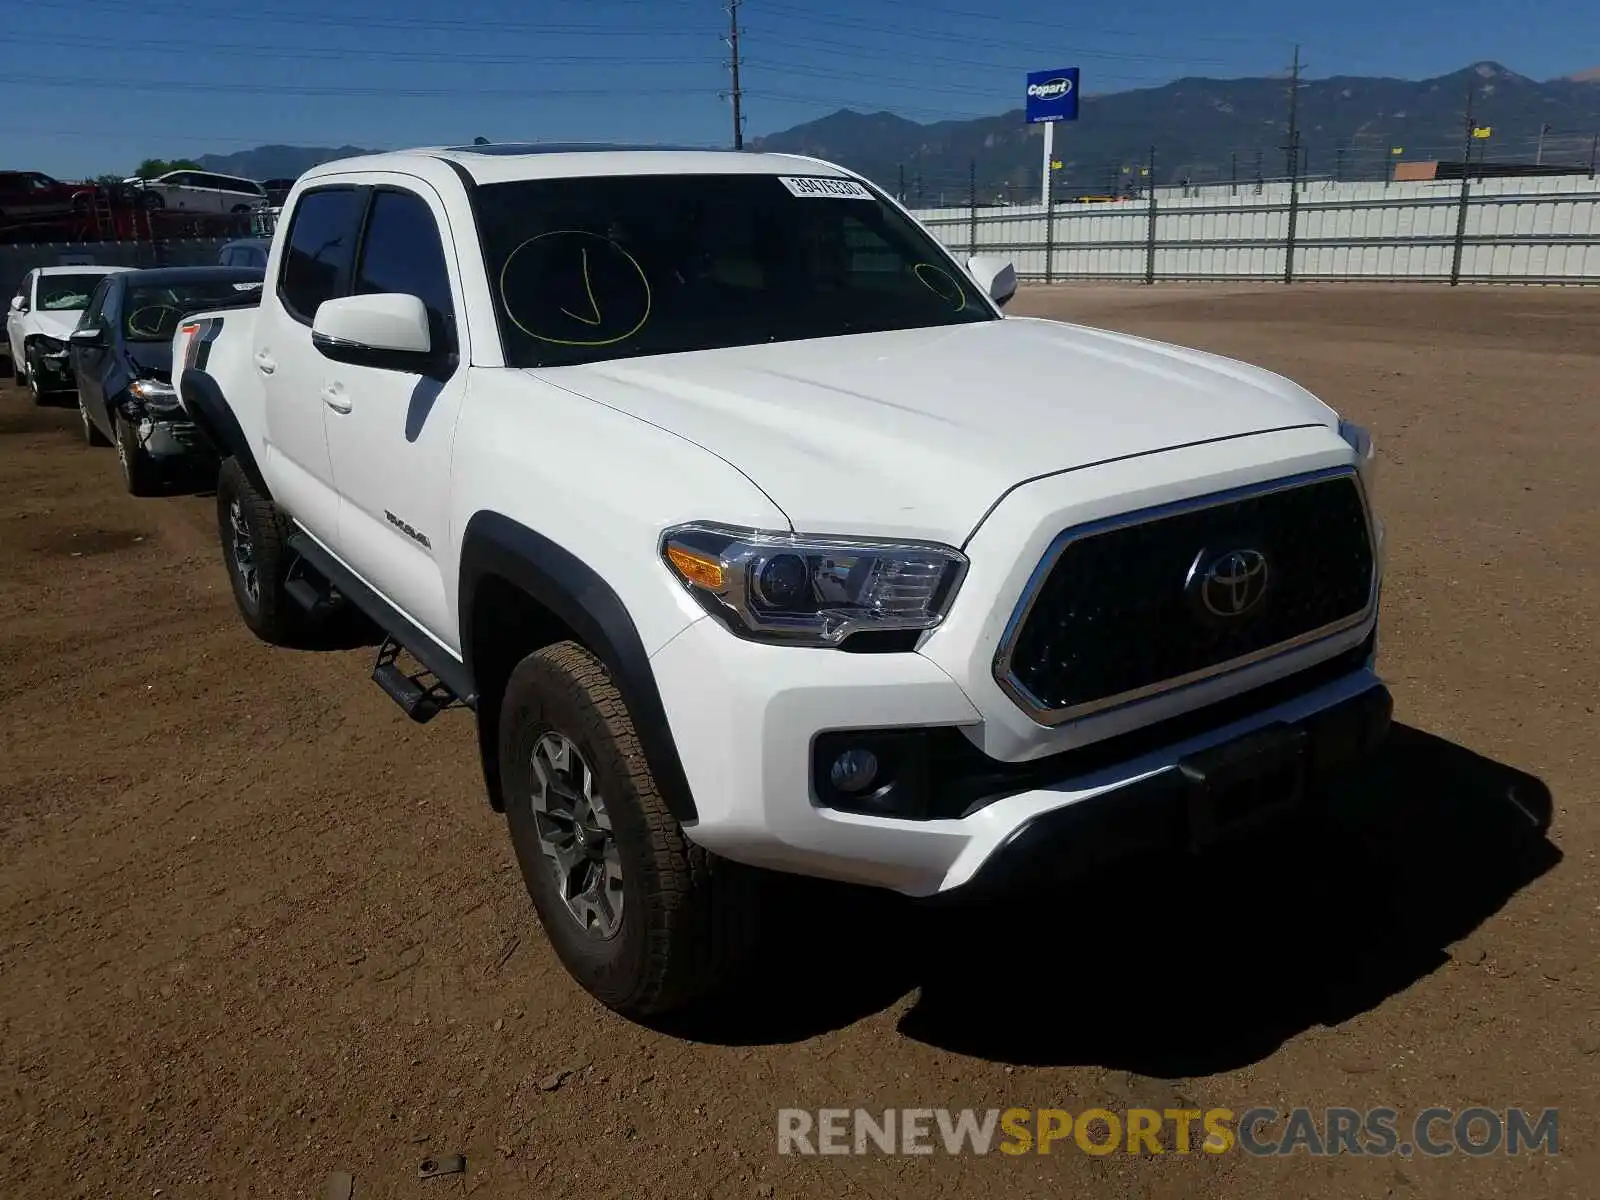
x=421, y=696
x=318, y=581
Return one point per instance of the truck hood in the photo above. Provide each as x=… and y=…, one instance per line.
x=916, y=433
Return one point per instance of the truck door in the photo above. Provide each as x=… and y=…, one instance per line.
x=390, y=431
x=314, y=266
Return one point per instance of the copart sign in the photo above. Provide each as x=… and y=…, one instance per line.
x=1053, y=95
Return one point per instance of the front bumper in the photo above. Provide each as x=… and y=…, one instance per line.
x=748, y=718
x=1209, y=797
x=166, y=436
x=55, y=370
x=757, y=725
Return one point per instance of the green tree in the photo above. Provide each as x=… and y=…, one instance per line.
x=151, y=167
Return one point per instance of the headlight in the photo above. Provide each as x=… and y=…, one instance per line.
x=154, y=394
x=1366, y=456
x=813, y=591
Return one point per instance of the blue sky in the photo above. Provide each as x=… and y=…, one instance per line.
x=91, y=86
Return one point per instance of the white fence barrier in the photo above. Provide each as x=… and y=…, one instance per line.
x=1532, y=230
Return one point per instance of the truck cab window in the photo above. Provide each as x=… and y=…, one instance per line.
x=316, y=265
x=401, y=252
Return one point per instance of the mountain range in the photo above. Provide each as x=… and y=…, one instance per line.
x=1201, y=130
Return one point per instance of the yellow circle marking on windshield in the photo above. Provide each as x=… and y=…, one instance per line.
x=148, y=331
x=923, y=270
x=598, y=317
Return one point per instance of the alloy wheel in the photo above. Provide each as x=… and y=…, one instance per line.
x=575, y=834
x=244, y=552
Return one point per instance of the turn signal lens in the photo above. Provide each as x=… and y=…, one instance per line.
x=698, y=569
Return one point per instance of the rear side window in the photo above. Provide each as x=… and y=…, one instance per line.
x=316, y=262
x=402, y=252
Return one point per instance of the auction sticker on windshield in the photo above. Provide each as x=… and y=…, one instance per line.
x=827, y=189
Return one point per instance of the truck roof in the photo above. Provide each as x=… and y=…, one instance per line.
x=507, y=161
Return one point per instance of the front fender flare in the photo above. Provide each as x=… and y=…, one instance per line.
x=571, y=590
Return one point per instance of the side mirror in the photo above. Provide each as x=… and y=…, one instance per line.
x=89, y=335
x=388, y=330
x=994, y=275
x=19, y=304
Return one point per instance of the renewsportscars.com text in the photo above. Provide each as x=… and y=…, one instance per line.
x=1259, y=1131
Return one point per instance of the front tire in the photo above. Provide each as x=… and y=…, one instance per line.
x=91, y=432
x=139, y=473
x=646, y=921
x=256, y=552
x=35, y=388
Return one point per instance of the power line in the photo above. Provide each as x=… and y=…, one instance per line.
x=100, y=83
x=873, y=106
x=189, y=15
x=783, y=12
x=855, y=50
x=252, y=50
x=928, y=9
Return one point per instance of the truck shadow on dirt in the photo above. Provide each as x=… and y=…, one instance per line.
x=1173, y=968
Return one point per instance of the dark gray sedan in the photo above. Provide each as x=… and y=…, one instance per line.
x=122, y=358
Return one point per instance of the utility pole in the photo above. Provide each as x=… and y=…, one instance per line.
x=1292, y=148
x=1150, y=232
x=1469, y=124
x=972, y=206
x=1538, y=159
x=736, y=93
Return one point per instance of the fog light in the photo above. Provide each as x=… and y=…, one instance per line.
x=854, y=770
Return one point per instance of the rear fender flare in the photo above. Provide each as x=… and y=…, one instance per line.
x=204, y=402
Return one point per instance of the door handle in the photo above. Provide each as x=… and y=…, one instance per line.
x=265, y=363
x=334, y=397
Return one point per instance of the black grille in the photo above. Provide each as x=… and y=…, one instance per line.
x=1114, y=614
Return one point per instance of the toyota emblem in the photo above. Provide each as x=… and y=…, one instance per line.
x=1232, y=583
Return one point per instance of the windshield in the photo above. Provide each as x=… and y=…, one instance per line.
x=151, y=314
x=64, y=293
x=615, y=266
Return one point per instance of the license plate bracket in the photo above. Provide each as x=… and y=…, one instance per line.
x=1242, y=784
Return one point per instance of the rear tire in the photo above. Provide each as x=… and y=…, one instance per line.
x=139, y=473
x=256, y=553
x=664, y=923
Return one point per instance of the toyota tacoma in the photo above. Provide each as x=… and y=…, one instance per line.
x=760, y=539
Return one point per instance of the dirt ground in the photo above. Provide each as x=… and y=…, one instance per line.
x=257, y=928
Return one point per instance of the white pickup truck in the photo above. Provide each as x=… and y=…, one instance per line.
x=758, y=536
